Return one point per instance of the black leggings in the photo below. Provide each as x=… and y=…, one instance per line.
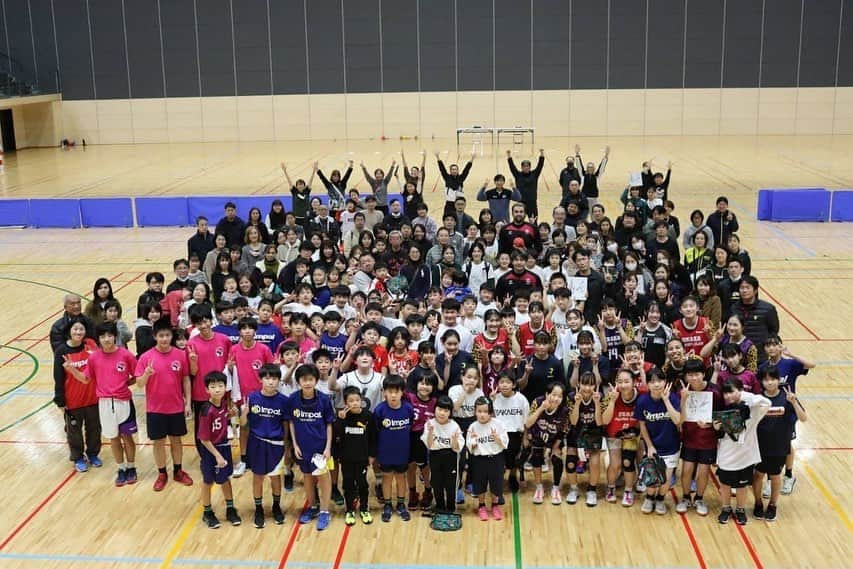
x=488, y=471
x=444, y=469
x=355, y=485
x=77, y=421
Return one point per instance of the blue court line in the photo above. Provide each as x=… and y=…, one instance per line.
x=781, y=234
x=79, y=558
x=233, y=562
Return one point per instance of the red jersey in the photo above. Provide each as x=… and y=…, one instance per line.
x=623, y=416
x=695, y=338
x=402, y=364
x=380, y=358
x=212, y=356
x=213, y=423
x=164, y=392
x=112, y=373
x=696, y=438
x=424, y=411
x=525, y=337
x=77, y=393
x=483, y=345
x=248, y=362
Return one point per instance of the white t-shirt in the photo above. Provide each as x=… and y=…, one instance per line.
x=474, y=325
x=567, y=343
x=466, y=340
x=370, y=386
x=347, y=312
x=297, y=307
x=512, y=411
x=467, y=408
x=482, y=307
x=481, y=433
x=443, y=435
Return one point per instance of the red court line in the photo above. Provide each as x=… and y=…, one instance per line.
x=38, y=508
x=291, y=540
x=745, y=538
x=693, y=541
x=343, y=546
x=790, y=313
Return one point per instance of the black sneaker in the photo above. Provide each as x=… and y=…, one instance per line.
x=259, y=518
x=403, y=512
x=233, y=517
x=758, y=512
x=288, y=482
x=770, y=514
x=277, y=514
x=513, y=484
x=337, y=497
x=500, y=501
x=740, y=517
x=380, y=495
x=210, y=519
x=724, y=516
x=387, y=512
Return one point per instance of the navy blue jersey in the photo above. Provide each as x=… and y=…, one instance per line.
x=335, y=345
x=614, y=348
x=269, y=335
x=393, y=427
x=663, y=432
x=789, y=370
x=229, y=330
x=308, y=419
x=267, y=414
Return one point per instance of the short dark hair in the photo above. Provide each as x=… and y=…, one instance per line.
x=306, y=370
x=215, y=377
x=230, y=204
x=393, y=381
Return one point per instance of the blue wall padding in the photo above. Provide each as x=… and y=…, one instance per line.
x=810, y=204
x=161, y=212
x=842, y=205
x=14, y=213
x=106, y=212
x=55, y=213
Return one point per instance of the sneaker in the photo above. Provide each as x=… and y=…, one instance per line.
x=528, y=467
x=640, y=487
x=414, y=500
x=724, y=516
x=758, y=511
x=556, y=498
x=210, y=520
x=309, y=514
x=460, y=496
x=627, y=498
x=611, y=495
x=131, y=475
x=323, y=520
x=701, y=507
x=660, y=507
x=682, y=506
x=740, y=517
x=259, y=518
x=788, y=483
x=96, y=461
x=770, y=513
x=239, y=469
x=81, y=465
x=366, y=517
x=349, y=518
x=380, y=495
x=337, y=497
x=233, y=517
x=182, y=477
x=648, y=505
x=500, y=501
x=546, y=467
x=538, y=494
x=404, y=514
x=497, y=513
x=387, y=512
x=288, y=482
x=160, y=483
x=121, y=477
x=277, y=514
x=513, y=484
x=572, y=496
x=426, y=499
x=591, y=498
x=483, y=513
x=765, y=489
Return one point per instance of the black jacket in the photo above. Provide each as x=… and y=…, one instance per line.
x=721, y=227
x=57, y=330
x=355, y=437
x=527, y=183
x=328, y=227
x=234, y=231
x=761, y=320
x=201, y=244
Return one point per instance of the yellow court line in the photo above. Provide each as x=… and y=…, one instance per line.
x=829, y=498
x=182, y=538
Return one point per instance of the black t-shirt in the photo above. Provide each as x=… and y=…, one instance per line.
x=774, y=433
x=654, y=345
x=415, y=376
x=543, y=372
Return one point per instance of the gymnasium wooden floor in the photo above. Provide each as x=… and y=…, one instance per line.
x=53, y=517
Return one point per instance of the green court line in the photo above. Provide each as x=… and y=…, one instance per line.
x=32, y=373
x=44, y=284
x=516, y=529
x=20, y=420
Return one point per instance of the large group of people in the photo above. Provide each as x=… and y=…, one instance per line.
x=448, y=354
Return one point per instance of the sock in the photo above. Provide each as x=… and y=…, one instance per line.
x=243, y=458
x=130, y=465
x=727, y=508
x=176, y=468
x=698, y=497
x=789, y=473
x=276, y=500
x=659, y=498
x=592, y=488
x=122, y=466
x=739, y=509
x=259, y=502
x=162, y=470
x=208, y=509
x=401, y=501
x=229, y=503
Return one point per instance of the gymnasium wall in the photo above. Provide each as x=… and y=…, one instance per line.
x=205, y=70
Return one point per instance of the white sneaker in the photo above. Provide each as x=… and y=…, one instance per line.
x=788, y=484
x=546, y=467
x=572, y=496
x=591, y=498
x=239, y=469
x=627, y=498
x=527, y=466
x=556, y=498
x=648, y=505
x=765, y=488
x=701, y=507
x=660, y=507
x=682, y=506
x=641, y=488
x=538, y=494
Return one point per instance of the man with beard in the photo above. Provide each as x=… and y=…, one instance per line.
x=395, y=257
x=518, y=229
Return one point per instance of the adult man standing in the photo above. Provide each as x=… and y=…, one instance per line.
x=518, y=229
x=231, y=226
x=760, y=317
x=73, y=310
x=325, y=225
x=395, y=257
x=527, y=181
x=463, y=220
x=202, y=242
x=722, y=222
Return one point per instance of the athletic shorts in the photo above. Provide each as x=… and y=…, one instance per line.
x=161, y=425
x=417, y=449
x=616, y=443
x=118, y=417
x=266, y=458
x=210, y=473
x=771, y=465
x=394, y=468
x=306, y=464
x=670, y=460
x=700, y=456
x=736, y=478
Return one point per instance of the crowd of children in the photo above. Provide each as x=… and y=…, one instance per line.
x=364, y=337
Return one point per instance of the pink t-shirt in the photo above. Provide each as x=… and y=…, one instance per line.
x=111, y=372
x=164, y=392
x=248, y=362
x=212, y=356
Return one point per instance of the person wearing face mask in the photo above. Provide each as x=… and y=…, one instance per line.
x=570, y=172
x=729, y=288
x=632, y=264
x=627, y=226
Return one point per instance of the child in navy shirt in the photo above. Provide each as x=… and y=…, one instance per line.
x=332, y=339
x=311, y=415
x=394, y=419
x=225, y=317
x=268, y=332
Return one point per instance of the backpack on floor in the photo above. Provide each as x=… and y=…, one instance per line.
x=652, y=471
x=446, y=522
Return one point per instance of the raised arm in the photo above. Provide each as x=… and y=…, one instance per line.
x=347, y=174
x=540, y=163
x=511, y=163
x=367, y=176
x=313, y=173
x=481, y=193
x=286, y=175
x=466, y=169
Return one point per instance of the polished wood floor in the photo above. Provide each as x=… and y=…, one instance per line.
x=55, y=518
